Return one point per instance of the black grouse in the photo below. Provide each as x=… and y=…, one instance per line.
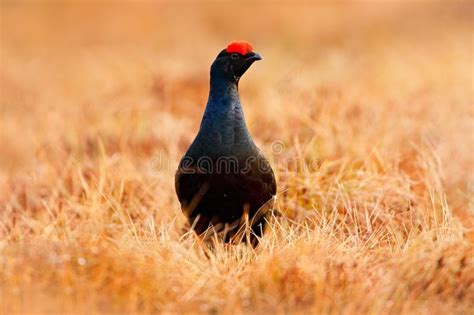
x=225, y=185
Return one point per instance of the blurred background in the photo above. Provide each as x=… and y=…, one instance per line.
x=352, y=76
x=381, y=92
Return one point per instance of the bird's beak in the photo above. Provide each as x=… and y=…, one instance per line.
x=253, y=57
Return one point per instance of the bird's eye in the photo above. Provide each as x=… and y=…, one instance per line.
x=234, y=56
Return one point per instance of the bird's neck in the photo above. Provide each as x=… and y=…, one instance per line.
x=223, y=122
x=223, y=95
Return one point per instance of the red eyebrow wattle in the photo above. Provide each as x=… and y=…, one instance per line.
x=241, y=47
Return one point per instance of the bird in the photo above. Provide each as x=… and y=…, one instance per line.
x=225, y=185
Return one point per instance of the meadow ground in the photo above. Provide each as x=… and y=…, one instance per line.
x=365, y=109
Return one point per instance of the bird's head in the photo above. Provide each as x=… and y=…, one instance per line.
x=233, y=61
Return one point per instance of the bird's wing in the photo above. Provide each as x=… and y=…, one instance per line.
x=190, y=187
x=259, y=180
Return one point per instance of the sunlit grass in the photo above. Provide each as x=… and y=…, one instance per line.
x=365, y=112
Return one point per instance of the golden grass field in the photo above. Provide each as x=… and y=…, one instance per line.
x=370, y=105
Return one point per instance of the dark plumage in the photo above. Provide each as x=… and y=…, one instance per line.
x=223, y=176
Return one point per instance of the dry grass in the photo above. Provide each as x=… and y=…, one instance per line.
x=98, y=102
